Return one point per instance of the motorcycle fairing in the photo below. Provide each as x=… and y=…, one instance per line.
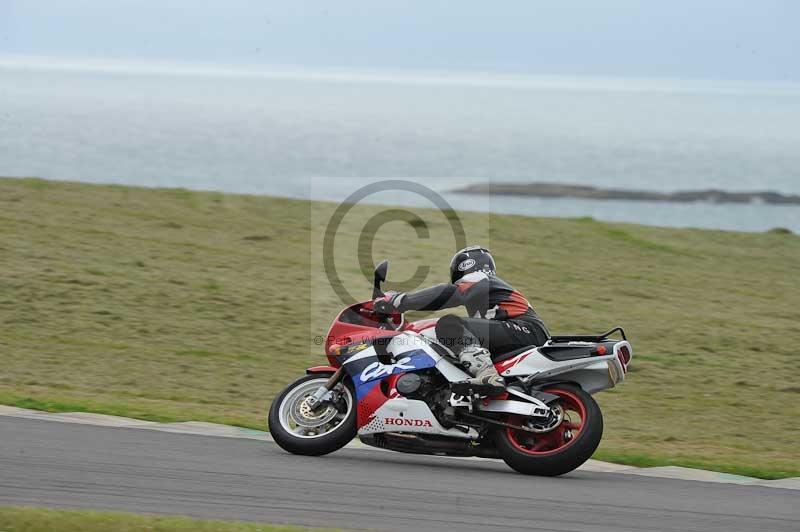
x=367, y=373
x=411, y=416
x=366, y=367
x=403, y=345
x=353, y=326
x=380, y=408
x=593, y=373
x=422, y=325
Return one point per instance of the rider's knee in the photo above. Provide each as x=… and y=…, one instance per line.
x=449, y=329
x=450, y=325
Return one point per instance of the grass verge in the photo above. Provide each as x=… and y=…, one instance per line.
x=42, y=520
x=173, y=305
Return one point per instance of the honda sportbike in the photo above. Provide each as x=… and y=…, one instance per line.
x=394, y=386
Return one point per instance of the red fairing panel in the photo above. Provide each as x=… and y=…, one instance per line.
x=368, y=404
x=511, y=362
x=354, y=325
x=419, y=326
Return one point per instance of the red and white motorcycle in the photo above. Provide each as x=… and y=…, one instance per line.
x=389, y=383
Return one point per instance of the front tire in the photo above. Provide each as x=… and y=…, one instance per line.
x=566, y=447
x=299, y=430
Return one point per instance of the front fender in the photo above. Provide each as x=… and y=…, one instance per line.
x=320, y=369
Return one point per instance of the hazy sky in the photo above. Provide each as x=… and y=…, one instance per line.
x=726, y=39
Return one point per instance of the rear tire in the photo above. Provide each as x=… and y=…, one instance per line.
x=332, y=436
x=553, y=454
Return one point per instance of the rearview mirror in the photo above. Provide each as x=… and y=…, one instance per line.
x=381, y=270
x=380, y=276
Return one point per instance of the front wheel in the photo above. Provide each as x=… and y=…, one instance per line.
x=300, y=429
x=563, y=443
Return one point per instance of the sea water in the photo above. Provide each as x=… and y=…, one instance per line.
x=321, y=134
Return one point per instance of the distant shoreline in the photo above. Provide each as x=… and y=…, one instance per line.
x=554, y=190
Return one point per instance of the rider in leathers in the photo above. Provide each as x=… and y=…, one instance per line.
x=501, y=319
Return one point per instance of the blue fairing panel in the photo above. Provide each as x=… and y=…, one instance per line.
x=367, y=370
x=363, y=388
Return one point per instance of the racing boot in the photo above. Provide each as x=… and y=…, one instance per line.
x=486, y=380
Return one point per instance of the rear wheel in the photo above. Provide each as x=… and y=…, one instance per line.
x=300, y=429
x=561, y=444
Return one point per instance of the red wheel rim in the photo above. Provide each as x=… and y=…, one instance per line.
x=557, y=439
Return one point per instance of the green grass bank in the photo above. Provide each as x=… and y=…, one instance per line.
x=41, y=520
x=175, y=305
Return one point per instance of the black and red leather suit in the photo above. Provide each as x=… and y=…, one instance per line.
x=501, y=319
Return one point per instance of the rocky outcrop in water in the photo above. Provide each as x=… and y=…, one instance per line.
x=554, y=190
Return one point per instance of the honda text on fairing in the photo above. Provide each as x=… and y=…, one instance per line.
x=391, y=384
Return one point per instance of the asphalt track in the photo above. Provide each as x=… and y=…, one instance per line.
x=52, y=464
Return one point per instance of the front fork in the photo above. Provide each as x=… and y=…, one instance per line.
x=323, y=393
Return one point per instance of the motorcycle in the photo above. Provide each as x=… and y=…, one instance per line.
x=394, y=386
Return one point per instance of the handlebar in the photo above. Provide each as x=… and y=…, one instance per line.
x=384, y=307
x=383, y=311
